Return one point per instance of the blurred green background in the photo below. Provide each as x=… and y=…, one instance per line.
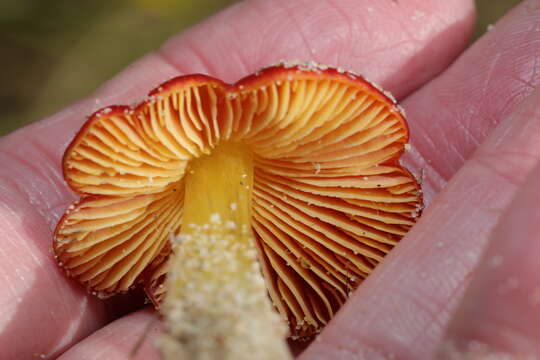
x=47, y=46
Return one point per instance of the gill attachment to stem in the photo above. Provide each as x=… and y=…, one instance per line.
x=217, y=305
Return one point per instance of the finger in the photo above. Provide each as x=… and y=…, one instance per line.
x=254, y=33
x=398, y=44
x=131, y=337
x=403, y=308
x=455, y=112
x=500, y=313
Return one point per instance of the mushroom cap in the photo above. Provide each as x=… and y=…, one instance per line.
x=330, y=198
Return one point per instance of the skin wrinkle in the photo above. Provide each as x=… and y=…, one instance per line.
x=529, y=77
x=118, y=338
x=70, y=333
x=257, y=11
x=534, y=72
x=392, y=47
x=296, y=25
x=362, y=26
x=193, y=48
x=450, y=145
x=353, y=27
x=445, y=312
x=30, y=251
x=429, y=333
x=420, y=274
x=405, y=27
x=404, y=24
x=425, y=135
x=520, y=62
x=355, y=348
x=25, y=194
x=492, y=65
x=55, y=177
x=42, y=275
x=469, y=135
x=349, y=23
x=247, y=60
x=9, y=188
x=165, y=57
x=504, y=165
x=36, y=262
x=516, y=129
x=456, y=151
x=527, y=83
x=46, y=195
x=437, y=22
x=4, y=251
x=529, y=68
x=433, y=181
x=59, y=117
x=432, y=313
x=505, y=104
x=530, y=126
x=397, y=341
x=514, y=331
x=244, y=59
x=439, y=306
x=490, y=106
x=431, y=303
x=165, y=52
x=128, y=86
x=342, y=32
x=34, y=195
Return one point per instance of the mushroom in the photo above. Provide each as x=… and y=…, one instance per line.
x=292, y=173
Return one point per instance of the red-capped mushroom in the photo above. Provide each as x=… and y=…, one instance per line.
x=299, y=162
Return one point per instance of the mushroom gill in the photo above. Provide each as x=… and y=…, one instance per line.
x=329, y=198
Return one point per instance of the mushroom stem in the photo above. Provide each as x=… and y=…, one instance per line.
x=217, y=305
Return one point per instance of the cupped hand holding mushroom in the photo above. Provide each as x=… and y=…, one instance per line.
x=404, y=306
x=298, y=161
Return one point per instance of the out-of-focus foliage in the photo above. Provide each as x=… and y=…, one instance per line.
x=489, y=11
x=53, y=52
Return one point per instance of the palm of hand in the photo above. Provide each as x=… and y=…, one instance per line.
x=474, y=131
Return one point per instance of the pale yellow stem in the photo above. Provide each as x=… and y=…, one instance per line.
x=217, y=306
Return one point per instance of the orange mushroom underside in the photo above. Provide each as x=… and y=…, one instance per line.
x=330, y=198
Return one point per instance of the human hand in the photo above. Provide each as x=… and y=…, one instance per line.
x=403, y=309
